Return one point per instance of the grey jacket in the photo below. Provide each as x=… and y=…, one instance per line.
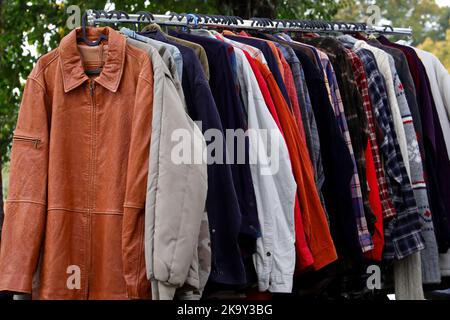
x=175, y=216
x=170, y=55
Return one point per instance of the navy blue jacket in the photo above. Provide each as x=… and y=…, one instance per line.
x=270, y=58
x=230, y=269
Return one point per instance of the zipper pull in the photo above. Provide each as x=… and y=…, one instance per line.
x=36, y=142
x=91, y=88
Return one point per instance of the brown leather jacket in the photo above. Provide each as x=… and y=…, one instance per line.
x=78, y=175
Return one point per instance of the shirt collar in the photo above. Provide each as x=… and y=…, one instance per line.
x=72, y=67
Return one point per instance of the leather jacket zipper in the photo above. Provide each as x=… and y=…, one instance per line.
x=91, y=195
x=91, y=88
x=93, y=141
x=35, y=141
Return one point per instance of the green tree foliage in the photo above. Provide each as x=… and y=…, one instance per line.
x=425, y=17
x=440, y=48
x=308, y=9
x=430, y=23
x=41, y=24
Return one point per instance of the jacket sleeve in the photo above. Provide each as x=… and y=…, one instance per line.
x=200, y=268
x=176, y=192
x=25, y=208
x=444, y=85
x=136, y=187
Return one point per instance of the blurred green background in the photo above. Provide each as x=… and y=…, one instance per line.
x=31, y=28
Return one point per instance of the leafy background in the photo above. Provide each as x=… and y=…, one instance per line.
x=31, y=28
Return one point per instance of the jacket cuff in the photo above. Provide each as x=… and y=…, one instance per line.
x=324, y=257
x=163, y=291
x=376, y=253
x=408, y=245
x=16, y=283
x=134, y=293
x=189, y=295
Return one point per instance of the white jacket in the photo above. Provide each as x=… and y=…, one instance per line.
x=274, y=185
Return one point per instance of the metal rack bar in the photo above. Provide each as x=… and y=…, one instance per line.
x=199, y=21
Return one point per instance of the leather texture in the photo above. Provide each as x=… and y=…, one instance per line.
x=78, y=180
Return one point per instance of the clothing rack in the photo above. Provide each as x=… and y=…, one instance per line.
x=194, y=20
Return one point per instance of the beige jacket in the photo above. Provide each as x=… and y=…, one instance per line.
x=176, y=193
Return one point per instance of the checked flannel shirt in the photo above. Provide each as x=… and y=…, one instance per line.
x=335, y=96
x=369, y=63
x=402, y=233
x=361, y=81
x=352, y=124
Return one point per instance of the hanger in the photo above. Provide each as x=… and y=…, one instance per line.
x=216, y=19
x=180, y=17
x=142, y=16
x=386, y=27
x=84, y=37
x=190, y=17
x=89, y=43
x=229, y=21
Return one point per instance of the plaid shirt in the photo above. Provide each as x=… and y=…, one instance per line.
x=402, y=234
x=298, y=102
x=327, y=75
x=291, y=74
x=388, y=209
x=358, y=205
x=349, y=122
x=361, y=80
x=292, y=91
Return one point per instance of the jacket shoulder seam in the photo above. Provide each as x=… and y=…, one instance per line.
x=146, y=80
x=37, y=82
x=142, y=55
x=131, y=53
x=144, y=59
x=46, y=65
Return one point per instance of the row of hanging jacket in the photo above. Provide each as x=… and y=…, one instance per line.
x=112, y=194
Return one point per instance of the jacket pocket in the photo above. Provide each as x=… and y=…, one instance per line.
x=34, y=141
